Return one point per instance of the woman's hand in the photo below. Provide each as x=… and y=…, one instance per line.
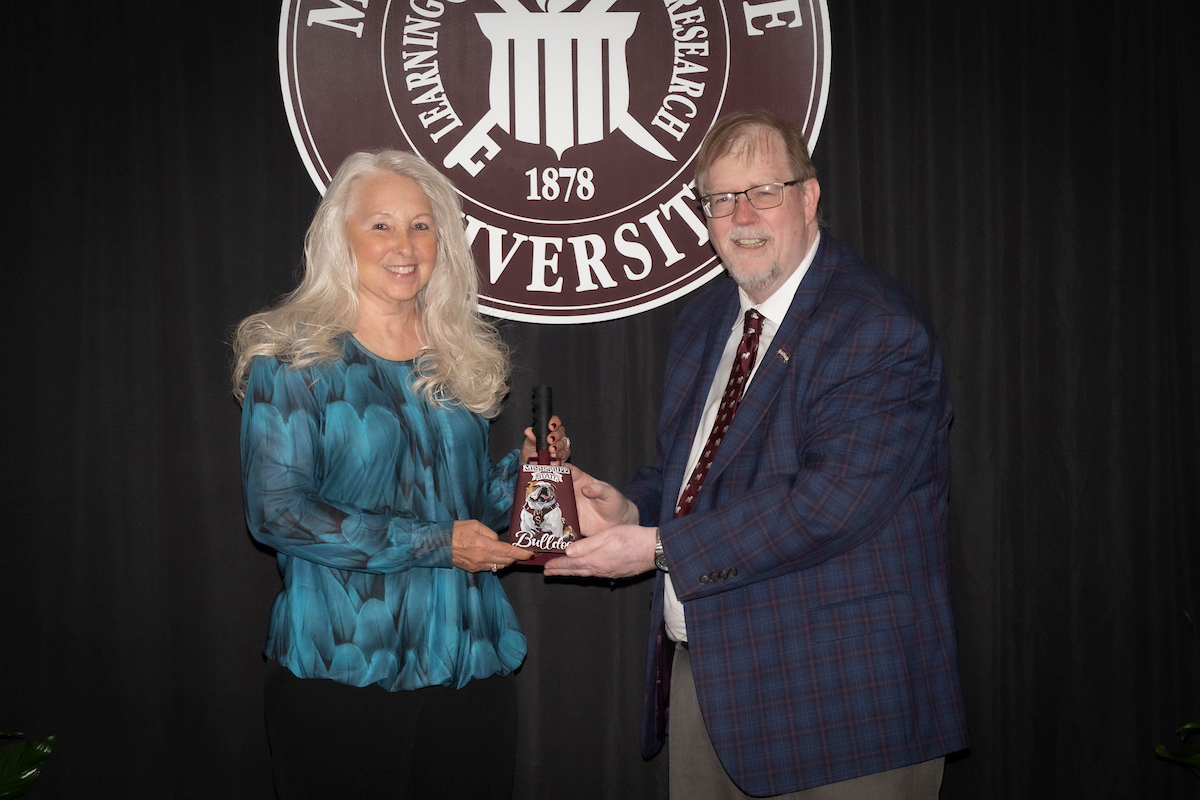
x=560, y=443
x=477, y=548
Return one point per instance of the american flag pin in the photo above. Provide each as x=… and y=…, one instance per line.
x=783, y=355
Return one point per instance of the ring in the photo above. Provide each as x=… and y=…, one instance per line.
x=567, y=441
x=493, y=569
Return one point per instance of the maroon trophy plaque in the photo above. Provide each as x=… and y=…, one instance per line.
x=544, y=518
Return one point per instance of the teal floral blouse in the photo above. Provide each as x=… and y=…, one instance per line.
x=355, y=481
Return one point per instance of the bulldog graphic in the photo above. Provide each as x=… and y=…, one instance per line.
x=541, y=514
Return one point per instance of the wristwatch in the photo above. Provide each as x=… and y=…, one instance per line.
x=660, y=558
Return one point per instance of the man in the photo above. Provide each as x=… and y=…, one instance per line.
x=796, y=509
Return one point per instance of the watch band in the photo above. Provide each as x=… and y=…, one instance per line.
x=660, y=558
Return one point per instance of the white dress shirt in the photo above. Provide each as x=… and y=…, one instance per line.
x=773, y=310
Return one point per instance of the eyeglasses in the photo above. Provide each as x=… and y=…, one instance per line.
x=769, y=195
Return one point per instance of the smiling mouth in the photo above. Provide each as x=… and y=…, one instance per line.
x=400, y=270
x=750, y=243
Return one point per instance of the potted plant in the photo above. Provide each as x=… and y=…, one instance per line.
x=1186, y=756
x=21, y=763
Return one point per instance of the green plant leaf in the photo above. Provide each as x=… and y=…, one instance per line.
x=20, y=765
x=1188, y=757
x=1187, y=730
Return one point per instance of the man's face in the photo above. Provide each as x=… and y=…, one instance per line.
x=761, y=249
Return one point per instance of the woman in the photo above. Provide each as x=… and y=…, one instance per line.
x=366, y=398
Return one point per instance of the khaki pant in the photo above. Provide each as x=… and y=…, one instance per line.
x=696, y=772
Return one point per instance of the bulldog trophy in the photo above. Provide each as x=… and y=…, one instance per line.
x=544, y=518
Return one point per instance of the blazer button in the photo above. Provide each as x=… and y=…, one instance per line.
x=723, y=574
x=733, y=572
x=704, y=579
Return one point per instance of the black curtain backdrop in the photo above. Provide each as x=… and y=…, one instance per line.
x=1028, y=168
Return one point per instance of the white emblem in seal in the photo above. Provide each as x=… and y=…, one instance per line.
x=550, y=83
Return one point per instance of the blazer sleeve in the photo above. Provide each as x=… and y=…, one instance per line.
x=645, y=492
x=874, y=412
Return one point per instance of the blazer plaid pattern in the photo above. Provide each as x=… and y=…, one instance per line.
x=813, y=568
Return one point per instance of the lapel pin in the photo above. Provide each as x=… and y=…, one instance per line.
x=783, y=355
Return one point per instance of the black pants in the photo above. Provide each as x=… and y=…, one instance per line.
x=334, y=741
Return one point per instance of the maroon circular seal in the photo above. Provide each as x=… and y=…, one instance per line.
x=569, y=127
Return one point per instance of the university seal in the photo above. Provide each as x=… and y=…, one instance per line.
x=570, y=127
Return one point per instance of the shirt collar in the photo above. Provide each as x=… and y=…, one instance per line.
x=775, y=307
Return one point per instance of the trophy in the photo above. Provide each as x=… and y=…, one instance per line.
x=544, y=518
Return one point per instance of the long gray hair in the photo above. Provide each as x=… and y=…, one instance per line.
x=464, y=361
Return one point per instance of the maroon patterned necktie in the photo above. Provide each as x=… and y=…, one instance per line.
x=743, y=363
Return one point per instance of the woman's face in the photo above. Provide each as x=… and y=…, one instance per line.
x=392, y=232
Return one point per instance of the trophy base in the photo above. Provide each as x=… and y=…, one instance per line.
x=537, y=561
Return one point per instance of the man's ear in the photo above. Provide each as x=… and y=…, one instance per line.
x=812, y=196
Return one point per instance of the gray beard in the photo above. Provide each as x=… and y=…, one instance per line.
x=753, y=283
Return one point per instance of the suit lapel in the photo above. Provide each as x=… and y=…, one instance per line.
x=773, y=367
x=704, y=355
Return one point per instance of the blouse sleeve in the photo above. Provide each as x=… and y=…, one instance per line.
x=285, y=509
x=500, y=487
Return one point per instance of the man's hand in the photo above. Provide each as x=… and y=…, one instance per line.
x=600, y=506
x=622, y=551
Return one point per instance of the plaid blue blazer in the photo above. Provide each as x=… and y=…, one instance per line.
x=813, y=567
